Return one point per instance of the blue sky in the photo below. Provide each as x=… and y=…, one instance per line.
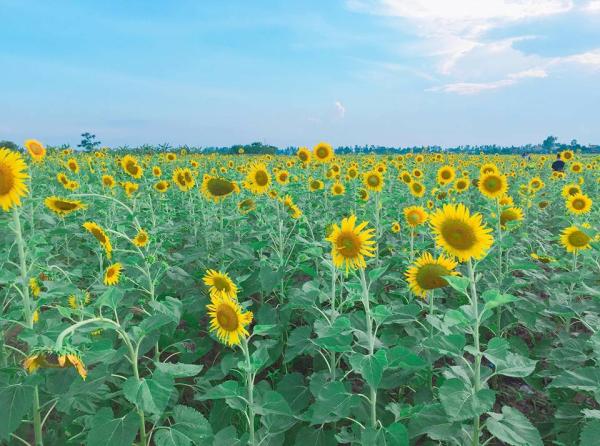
x=390, y=72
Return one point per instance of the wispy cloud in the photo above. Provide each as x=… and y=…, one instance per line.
x=592, y=6
x=340, y=109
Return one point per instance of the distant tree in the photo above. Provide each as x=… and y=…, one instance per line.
x=549, y=143
x=9, y=145
x=88, y=142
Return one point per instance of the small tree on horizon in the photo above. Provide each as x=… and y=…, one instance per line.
x=88, y=142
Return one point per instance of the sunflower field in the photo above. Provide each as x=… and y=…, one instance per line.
x=177, y=299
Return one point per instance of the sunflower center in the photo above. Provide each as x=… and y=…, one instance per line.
x=7, y=179
x=578, y=204
x=573, y=190
x=65, y=205
x=417, y=187
x=219, y=187
x=458, y=234
x=221, y=284
x=430, y=276
x=579, y=239
x=302, y=156
x=99, y=235
x=348, y=244
x=36, y=149
x=227, y=317
x=446, y=174
x=373, y=180
x=322, y=152
x=414, y=217
x=132, y=167
x=110, y=272
x=507, y=216
x=261, y=178
x=492, y=184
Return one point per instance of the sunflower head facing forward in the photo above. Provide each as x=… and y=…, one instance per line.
x=459, y=233
x=220, y=283
x=227, y=319
x=574, y=239
x=12, y=179
x=351, y=243
x=427, y=273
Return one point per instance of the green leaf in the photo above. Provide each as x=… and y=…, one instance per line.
x=167, y=436
x=447, y=345
x=295, y=391
x=461, y=403
x=110, y=298
x=513, y=428
x=336, y=337
x=263, y=330
x=269, y=278
x=376, y=273
x=401, y=357
x=396, y=435
x=460, y=284
x=506, y=362
x=15, y=401
x=433, y=421
x=590, y=433
x=150, y=394
x=371, y=367
x=191, y=426
x=584, y=378
x=493, y=299
x=333, y=403
x=154, y=322
x=178, y=370
x=113, y=431
x=228, y=389
x=381, y=313
x=298, y=343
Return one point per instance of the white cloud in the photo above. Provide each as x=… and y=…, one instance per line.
x=539, y=73
x=473, y=87
x=592, y=6
x=589, y=58
x=341, y=110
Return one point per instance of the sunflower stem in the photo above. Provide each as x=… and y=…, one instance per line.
x=477, y=368
x=499, y=230
x=371, y=346
x=28, y=313
x=250, y=388
x=333, y=310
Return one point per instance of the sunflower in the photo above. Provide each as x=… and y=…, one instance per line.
x=303, y=154
x=567, y=155
x=100, y=235
x=338, y=189
x=574, y=239
x=579, y=204
x=417, y=189
x=184, y=179
x=34, y=286
x=493, y=185
x=48, y=358
x=216, y=188
x=72, y=165
x=258, y=179
x=72, y=185
x=12, y=179
x=108, y=181
x=363, y=194
x=373, y=181
x=315, y=185
x=141, y=239
x=283, y=177
x=428, y=273
x=576, y=167
x=130, y=188
x=395, y=227
x=461, y=185
x=62, y=178
x=506, y=200
x=405, y=176
x=171, y=157
x=246, y=206
x=415, y=215
x=536, y=184
x=227, y=319
x=542, y=258
x=220, y=282
x=352, y=172
x=71, y=359
x=63, y=206
x=445, y=174
x=291, y=207
x=510, y=214
x=112, y=275
x=36, y=149
x=323, y=152
x=156, y=171
x=459, y=233
x=130, y=166
x=162, y=186
x=488, y=168
x=571, y=189
x=350, y=243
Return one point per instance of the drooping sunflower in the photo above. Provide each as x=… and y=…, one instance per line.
x=12, y=179
x=227, y=319
x=184, y=179
x=459, y=233
x=416, y=189
x=141, y=239
x=351, y=243
x=510, y=214
x=49, y=358
x=217, y=188
x=112, y=275
x=35, y=288
x=493, y=185
x=220, y=282
x=415, y=215
x=338, y=189
x=108, y=181
x=373, y=181
x=574, y=239
x=246, y=206
x=94, y=229
x=130, y=166
x=579, y=204
x=323, y=152
x=63, y=206
x=36, y=149
x=72, y=359
x=445, y=174
x=258, y=179
x=162, y=186
x=427, y=273
x=303, y=154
